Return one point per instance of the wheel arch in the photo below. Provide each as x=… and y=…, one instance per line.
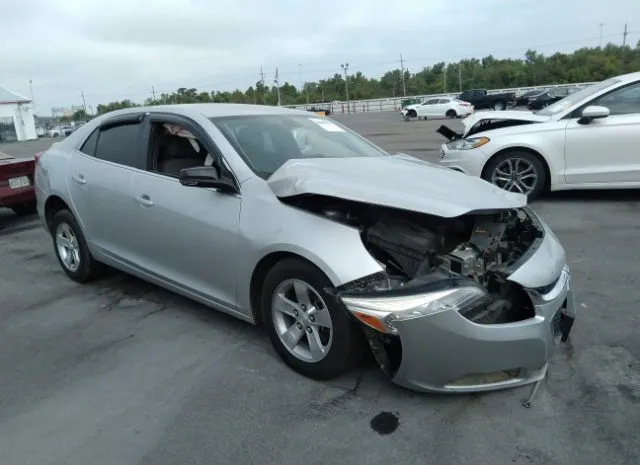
x=53, y=205
x=260, y=272
x=529, y=150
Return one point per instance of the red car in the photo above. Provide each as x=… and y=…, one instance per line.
x=16, y=184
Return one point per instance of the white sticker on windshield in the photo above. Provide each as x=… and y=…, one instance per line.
x=327, y=125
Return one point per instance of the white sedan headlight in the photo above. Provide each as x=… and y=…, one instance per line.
x=467, y=144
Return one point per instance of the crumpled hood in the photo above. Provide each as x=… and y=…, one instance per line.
x=397, y=181
x=469, y=121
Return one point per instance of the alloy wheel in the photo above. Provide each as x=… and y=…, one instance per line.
x=302, y=320
x=68, y=247
x=515, y=175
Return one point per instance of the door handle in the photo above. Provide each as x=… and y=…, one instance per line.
x=145, y=200
x=79, y=179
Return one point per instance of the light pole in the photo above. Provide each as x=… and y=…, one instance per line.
x=345, y=67
x=302, y=86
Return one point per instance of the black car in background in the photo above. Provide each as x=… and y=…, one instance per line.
x=523, y=100
x=547, y=98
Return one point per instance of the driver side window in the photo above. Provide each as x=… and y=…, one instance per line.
x=173, y=148
x=625, y=101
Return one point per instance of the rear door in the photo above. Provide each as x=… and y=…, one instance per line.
x=100, y=176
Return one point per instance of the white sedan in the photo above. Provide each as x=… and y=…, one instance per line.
x=440, y=107
x=588, y=140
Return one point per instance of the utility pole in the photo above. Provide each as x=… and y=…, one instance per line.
x=84, y=103
x=264, y=95
x=153, y=92
x=345, y=67
x=277, y=84
x=624, y=36
x=460, y=76
x=404, y=87
x=33, y=101
x=444, y=80
x=601, y=25
x=303, y=87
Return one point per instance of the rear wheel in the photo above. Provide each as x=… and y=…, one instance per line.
x=71, y=248
x=451, y=114
x=499, y=105
x=309, y=329
x=517, y=171
x=24, y=209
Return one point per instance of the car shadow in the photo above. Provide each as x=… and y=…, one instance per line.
x=11, y=223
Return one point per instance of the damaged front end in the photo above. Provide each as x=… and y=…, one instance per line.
x=445, y=314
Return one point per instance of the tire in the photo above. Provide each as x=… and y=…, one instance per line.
x=412, y=114
x=517, y=157
x=451, y=114
x=499, y=105
x=343, y=345
x=87, y=268
x=24, y=209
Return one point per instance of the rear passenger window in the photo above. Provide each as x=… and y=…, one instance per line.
x=89, y=146
x=120, y=144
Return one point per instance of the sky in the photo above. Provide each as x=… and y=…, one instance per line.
x=122, y=49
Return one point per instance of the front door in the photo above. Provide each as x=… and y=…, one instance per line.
x=606, y=149
x=186, y=235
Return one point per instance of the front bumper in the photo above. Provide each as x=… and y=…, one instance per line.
x=446, y=352
x=470, y=162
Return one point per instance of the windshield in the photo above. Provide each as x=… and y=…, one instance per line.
x=266, y=142
x=577, y=97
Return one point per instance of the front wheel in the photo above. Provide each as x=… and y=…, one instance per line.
x=309, y=329
x=499, y=105
x=517, y=171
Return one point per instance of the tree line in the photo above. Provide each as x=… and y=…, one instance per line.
x=535, y=69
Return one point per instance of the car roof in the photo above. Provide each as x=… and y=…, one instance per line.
x=212, y=110
x=628, y=77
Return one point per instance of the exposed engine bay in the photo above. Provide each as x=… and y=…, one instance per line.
x=415, y=248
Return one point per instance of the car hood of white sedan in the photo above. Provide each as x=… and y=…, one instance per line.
x=396, y=181
x=503, y=115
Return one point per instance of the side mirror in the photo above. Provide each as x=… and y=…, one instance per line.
x=206, y=176
x=593, y=112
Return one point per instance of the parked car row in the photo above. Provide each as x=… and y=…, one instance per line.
x=586, y=140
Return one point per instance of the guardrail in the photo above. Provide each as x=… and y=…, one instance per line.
x=394, y=103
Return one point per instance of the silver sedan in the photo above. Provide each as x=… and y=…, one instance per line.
x=292, y=221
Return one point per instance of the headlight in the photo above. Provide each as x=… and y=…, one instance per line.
x=467, y=144
x=381, y=312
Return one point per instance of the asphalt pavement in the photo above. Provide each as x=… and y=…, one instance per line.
x=122, y=372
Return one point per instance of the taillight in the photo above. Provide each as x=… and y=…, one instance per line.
x=37, y=156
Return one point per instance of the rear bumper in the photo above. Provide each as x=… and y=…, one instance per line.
x=445, y=352
x=10, y=197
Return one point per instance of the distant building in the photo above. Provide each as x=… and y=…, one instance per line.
x=16, y=117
